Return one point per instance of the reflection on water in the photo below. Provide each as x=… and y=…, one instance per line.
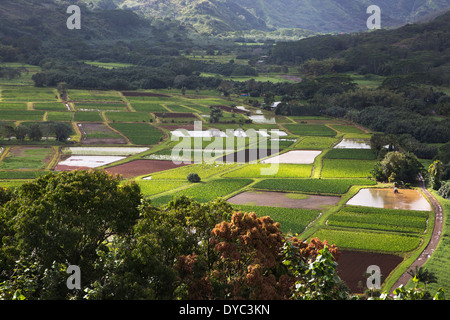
x=262, y=119
x=386, y=198
x=353, y=144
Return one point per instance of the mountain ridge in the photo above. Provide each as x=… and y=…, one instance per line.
x=321, y=16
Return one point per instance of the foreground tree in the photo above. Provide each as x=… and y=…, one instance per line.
x=60, y=220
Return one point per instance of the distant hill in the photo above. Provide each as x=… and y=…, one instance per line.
x=219, y=16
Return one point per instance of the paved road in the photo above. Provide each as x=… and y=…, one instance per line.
x=436, y=236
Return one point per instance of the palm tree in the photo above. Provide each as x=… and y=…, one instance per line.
x=423, y=275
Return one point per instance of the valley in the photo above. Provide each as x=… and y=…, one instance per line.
x=182, y=149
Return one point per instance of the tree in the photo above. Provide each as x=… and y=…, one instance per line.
x=193, y=177
x=21, y=132
x=59, y=220
x=435, y=171
x=423, y=275
x=215, y=114
x=226, y=87
x=144, y=266
x=398, y=167
x=62, y=90
x=62, y=131
x=35, y=132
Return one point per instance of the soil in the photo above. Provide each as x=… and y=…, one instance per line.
x=281, y=199
x=352, y=266
x=141, y=167
x=91, y=128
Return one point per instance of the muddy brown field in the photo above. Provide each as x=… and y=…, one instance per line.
x=284, y=200
x=352, y=267
x=141, y=167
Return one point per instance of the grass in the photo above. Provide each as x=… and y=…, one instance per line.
x=346, y=168
x=60, y=116
x=22, y=174
x=13, y=106
x=21, y=115
x=440, y=259
x=315, y=143
x=203, y=170
x=139, y=133
x=380, y=219
x=26, y=158
x=206, y=191
x=87, y=116
x=320, y=186
x=283, y=171
x=50, y=106
x=310, y=130
x=365, y=240
x=100, y=107
x=128, y=116
x=151, y=187
x=355, y=154
x=291, y=220
x=28, y=94
x=94, y=95
x=148, y=107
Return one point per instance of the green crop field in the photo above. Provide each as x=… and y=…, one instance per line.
x=151, y=187
x=258, y=170
x=310, y=130
x=365, y=240
x=315, y=143
x=355, y=154
x=380, y=219
x=203, y=170
x=128, y=116
x=13, y=106
x=87, y=116
x=27, y=158
x=207, y=191
x=21, y=115
x=319, y=186
x=290, y=219
x=60, y=116
x=148, y=107
x=139, y=133
x=85, y=106
x=347, y=168
x=57, y=106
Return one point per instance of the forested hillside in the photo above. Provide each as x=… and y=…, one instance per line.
x=218, y=16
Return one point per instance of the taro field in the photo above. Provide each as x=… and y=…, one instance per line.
x=134, y=133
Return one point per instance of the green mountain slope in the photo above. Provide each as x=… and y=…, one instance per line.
x=339, y=16
x=218, y=16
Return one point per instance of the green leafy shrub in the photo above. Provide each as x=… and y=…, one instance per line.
x=193, y=177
